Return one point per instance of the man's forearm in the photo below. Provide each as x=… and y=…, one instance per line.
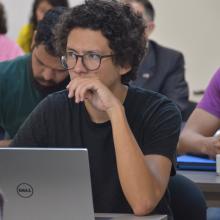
x=191, y=142
x=136, y=179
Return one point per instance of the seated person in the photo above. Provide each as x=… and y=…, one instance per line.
x=39, y=8
x=131, y=134
x=162, y=69
x=9, y=49
x=25, y=81
x=198, y=133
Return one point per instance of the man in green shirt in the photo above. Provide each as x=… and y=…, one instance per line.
x=25, y=81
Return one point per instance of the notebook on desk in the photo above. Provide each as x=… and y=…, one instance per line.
x=45, y=184
x=191, y=162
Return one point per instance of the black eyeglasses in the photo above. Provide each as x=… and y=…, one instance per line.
x=90, y=60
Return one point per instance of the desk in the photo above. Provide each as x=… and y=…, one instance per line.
x=208, y=182
x=110, y=216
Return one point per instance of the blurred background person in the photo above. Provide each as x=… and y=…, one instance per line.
x=39, y=8
x=26, y=80
x=162, y=69
x=8, y=48
x=198, y=134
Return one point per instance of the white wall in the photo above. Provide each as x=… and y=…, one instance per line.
x=191, y=26
x=18, y=13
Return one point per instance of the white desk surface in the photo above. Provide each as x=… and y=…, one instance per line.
x=129, y=217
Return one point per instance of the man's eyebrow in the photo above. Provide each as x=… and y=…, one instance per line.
x=38, y=60
x=71, y=49
x=88, y=51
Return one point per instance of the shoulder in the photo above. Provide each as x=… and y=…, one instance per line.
x=57, y=101
x=214, y=84
x=149, y=102
x=58, y=96
x=165, y=50
x=216, y=77
x=211, y=98
x=11, y=67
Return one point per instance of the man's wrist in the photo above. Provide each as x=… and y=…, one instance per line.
x=116, y=112
x=208, y=144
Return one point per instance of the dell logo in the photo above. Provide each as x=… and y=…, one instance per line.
x=25, y=190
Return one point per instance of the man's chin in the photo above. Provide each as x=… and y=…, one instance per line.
x=49, y=87
x=47, y=84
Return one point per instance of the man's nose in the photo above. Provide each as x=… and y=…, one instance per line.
x=79, y=67
x=48, y=74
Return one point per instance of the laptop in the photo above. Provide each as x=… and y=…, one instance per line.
x=49, y=184
x=45, y=184
x=192, y=162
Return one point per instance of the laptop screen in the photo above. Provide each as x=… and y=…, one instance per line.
x=51, y=184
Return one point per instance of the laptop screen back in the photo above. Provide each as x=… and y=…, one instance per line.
x=45, y=184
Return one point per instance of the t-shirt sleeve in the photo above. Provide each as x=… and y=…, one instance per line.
x=210, y=101
x=162, y=132
x=34, y=130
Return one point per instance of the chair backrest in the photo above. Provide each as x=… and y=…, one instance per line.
x=185, y=197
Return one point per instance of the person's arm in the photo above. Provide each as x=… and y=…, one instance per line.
x=143, y=178
x=5, y=143
x=197, y=135
x=175, y=86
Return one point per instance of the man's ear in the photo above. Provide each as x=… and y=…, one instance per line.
x=150, y=28
x=125, y=69
x=33, y=40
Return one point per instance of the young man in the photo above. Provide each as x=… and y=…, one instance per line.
x=131, y=134
x=162, y=69
x=25, y=81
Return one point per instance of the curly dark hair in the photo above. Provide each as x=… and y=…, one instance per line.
x=3, y=25
x=44, y=32
x=117, y=22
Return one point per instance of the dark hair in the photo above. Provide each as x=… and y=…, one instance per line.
x=123, y=29
x=3, y=26
x=44, y=32
x=54, y=3
x=149, y=9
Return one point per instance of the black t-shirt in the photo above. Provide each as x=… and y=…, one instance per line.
x=59, y=122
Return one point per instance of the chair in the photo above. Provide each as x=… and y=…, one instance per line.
x=187, y=200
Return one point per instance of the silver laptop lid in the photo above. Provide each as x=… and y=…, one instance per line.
x=45, y=184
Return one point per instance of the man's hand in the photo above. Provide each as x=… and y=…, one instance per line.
x=90, y=88
x=213, y=146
